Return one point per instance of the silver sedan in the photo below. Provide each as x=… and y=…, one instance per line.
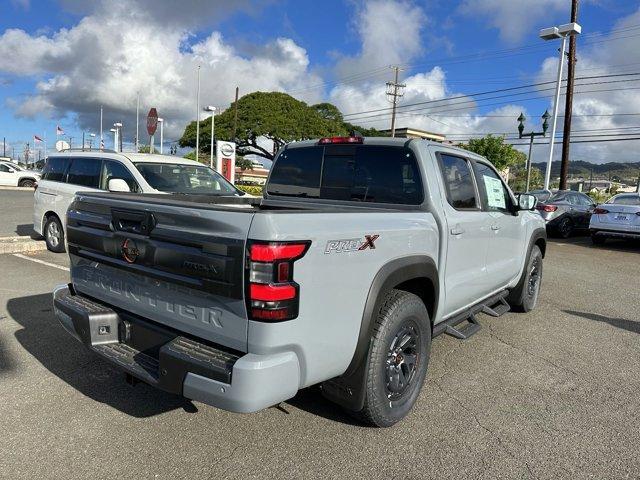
x=619, y=217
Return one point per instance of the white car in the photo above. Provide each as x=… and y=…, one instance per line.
x=70, y=172
x=12, y=175
x=618, y=217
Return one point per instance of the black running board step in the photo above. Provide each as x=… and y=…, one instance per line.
x=495, y=305
x=472, y=327
x=497, y=309
x=138, y=364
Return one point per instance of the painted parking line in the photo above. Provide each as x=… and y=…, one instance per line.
x=42, y=262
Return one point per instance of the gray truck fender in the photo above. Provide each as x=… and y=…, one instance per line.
x=348, y=389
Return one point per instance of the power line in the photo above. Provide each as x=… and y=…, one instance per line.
x=504, y=53
x=499, y=90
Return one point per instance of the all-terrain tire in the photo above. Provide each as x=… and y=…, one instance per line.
x=524, y=297
x=403, y=327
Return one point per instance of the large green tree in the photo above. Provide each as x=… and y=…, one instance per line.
x=273, y=116
x=494, y=149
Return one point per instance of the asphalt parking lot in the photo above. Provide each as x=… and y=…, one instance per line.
x=550, y=394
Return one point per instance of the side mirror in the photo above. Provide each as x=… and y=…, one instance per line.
x=118, y=185
x=526, y=202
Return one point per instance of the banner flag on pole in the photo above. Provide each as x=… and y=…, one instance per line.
x=37, y=139
x=59, y=131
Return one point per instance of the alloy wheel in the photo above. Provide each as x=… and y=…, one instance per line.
x=402, y=361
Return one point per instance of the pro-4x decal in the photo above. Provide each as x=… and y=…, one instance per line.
x=351, y=244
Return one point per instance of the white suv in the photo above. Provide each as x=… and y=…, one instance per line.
x=69, y=172
x=12, y=175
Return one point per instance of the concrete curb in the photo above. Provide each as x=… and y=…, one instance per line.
x=23, y=189
x=21, y=245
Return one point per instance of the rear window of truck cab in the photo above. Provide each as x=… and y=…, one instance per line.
x=356, y=173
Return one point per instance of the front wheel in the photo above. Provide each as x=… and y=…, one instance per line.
x=398, y=359
x=54, y=234
x=524, y=297
x=27, y=183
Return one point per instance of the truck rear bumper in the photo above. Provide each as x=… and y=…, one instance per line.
x=163, y=358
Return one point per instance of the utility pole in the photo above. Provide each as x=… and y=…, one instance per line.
x=566, y=137
x=395, y=91
x=235, y=116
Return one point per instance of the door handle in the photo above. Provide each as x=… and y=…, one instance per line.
x=495, y=228
x=457, y=230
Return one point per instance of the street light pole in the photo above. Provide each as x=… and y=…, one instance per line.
x=563, y=31
x=115, y=138
x=532, y=135
x=554, y=116
x=213, y=114
x=161, y=122
x=198, y=116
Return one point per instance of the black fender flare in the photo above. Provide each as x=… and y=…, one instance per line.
x=537, y=235
x=348, y=389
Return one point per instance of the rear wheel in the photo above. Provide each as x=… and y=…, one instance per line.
x=565, y=227
x=524, y=297
x=398, y=359
x=54, y=234
x=27, y=182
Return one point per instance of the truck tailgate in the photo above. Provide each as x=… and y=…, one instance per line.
x=181, y=267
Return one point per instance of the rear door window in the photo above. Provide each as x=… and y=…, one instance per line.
x=55, y=170
x=296, y=172
x=362, y=173
x=458, y=180
x=85, y=172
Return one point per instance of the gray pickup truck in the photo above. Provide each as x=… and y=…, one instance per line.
x=361, y=251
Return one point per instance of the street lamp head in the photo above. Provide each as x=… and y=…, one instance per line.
x=550, y=33
x=210, y=109
x=545, y=123
x=113, y=130
x=521, y=120
x=570, y=29
x=160, y=120
x=117, y=124
x=92, y=134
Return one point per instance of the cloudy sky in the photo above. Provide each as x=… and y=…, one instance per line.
x=462, y=61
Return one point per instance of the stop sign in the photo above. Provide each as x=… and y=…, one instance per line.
x=152, y=121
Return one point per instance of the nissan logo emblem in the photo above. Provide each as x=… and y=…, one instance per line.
x=226, y=149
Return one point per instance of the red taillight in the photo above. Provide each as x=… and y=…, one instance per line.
x=272, y=294
x=268, y=252
x=547, y=208
x=324, y=141
x=600, y=211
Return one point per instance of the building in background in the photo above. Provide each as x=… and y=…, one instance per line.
x=256, y=175
x=407, y=132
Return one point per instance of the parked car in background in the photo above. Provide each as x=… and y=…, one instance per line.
x=67, y=173
x=541, y=195
x=12, y=175
x=618, y=217
x=564, y=211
